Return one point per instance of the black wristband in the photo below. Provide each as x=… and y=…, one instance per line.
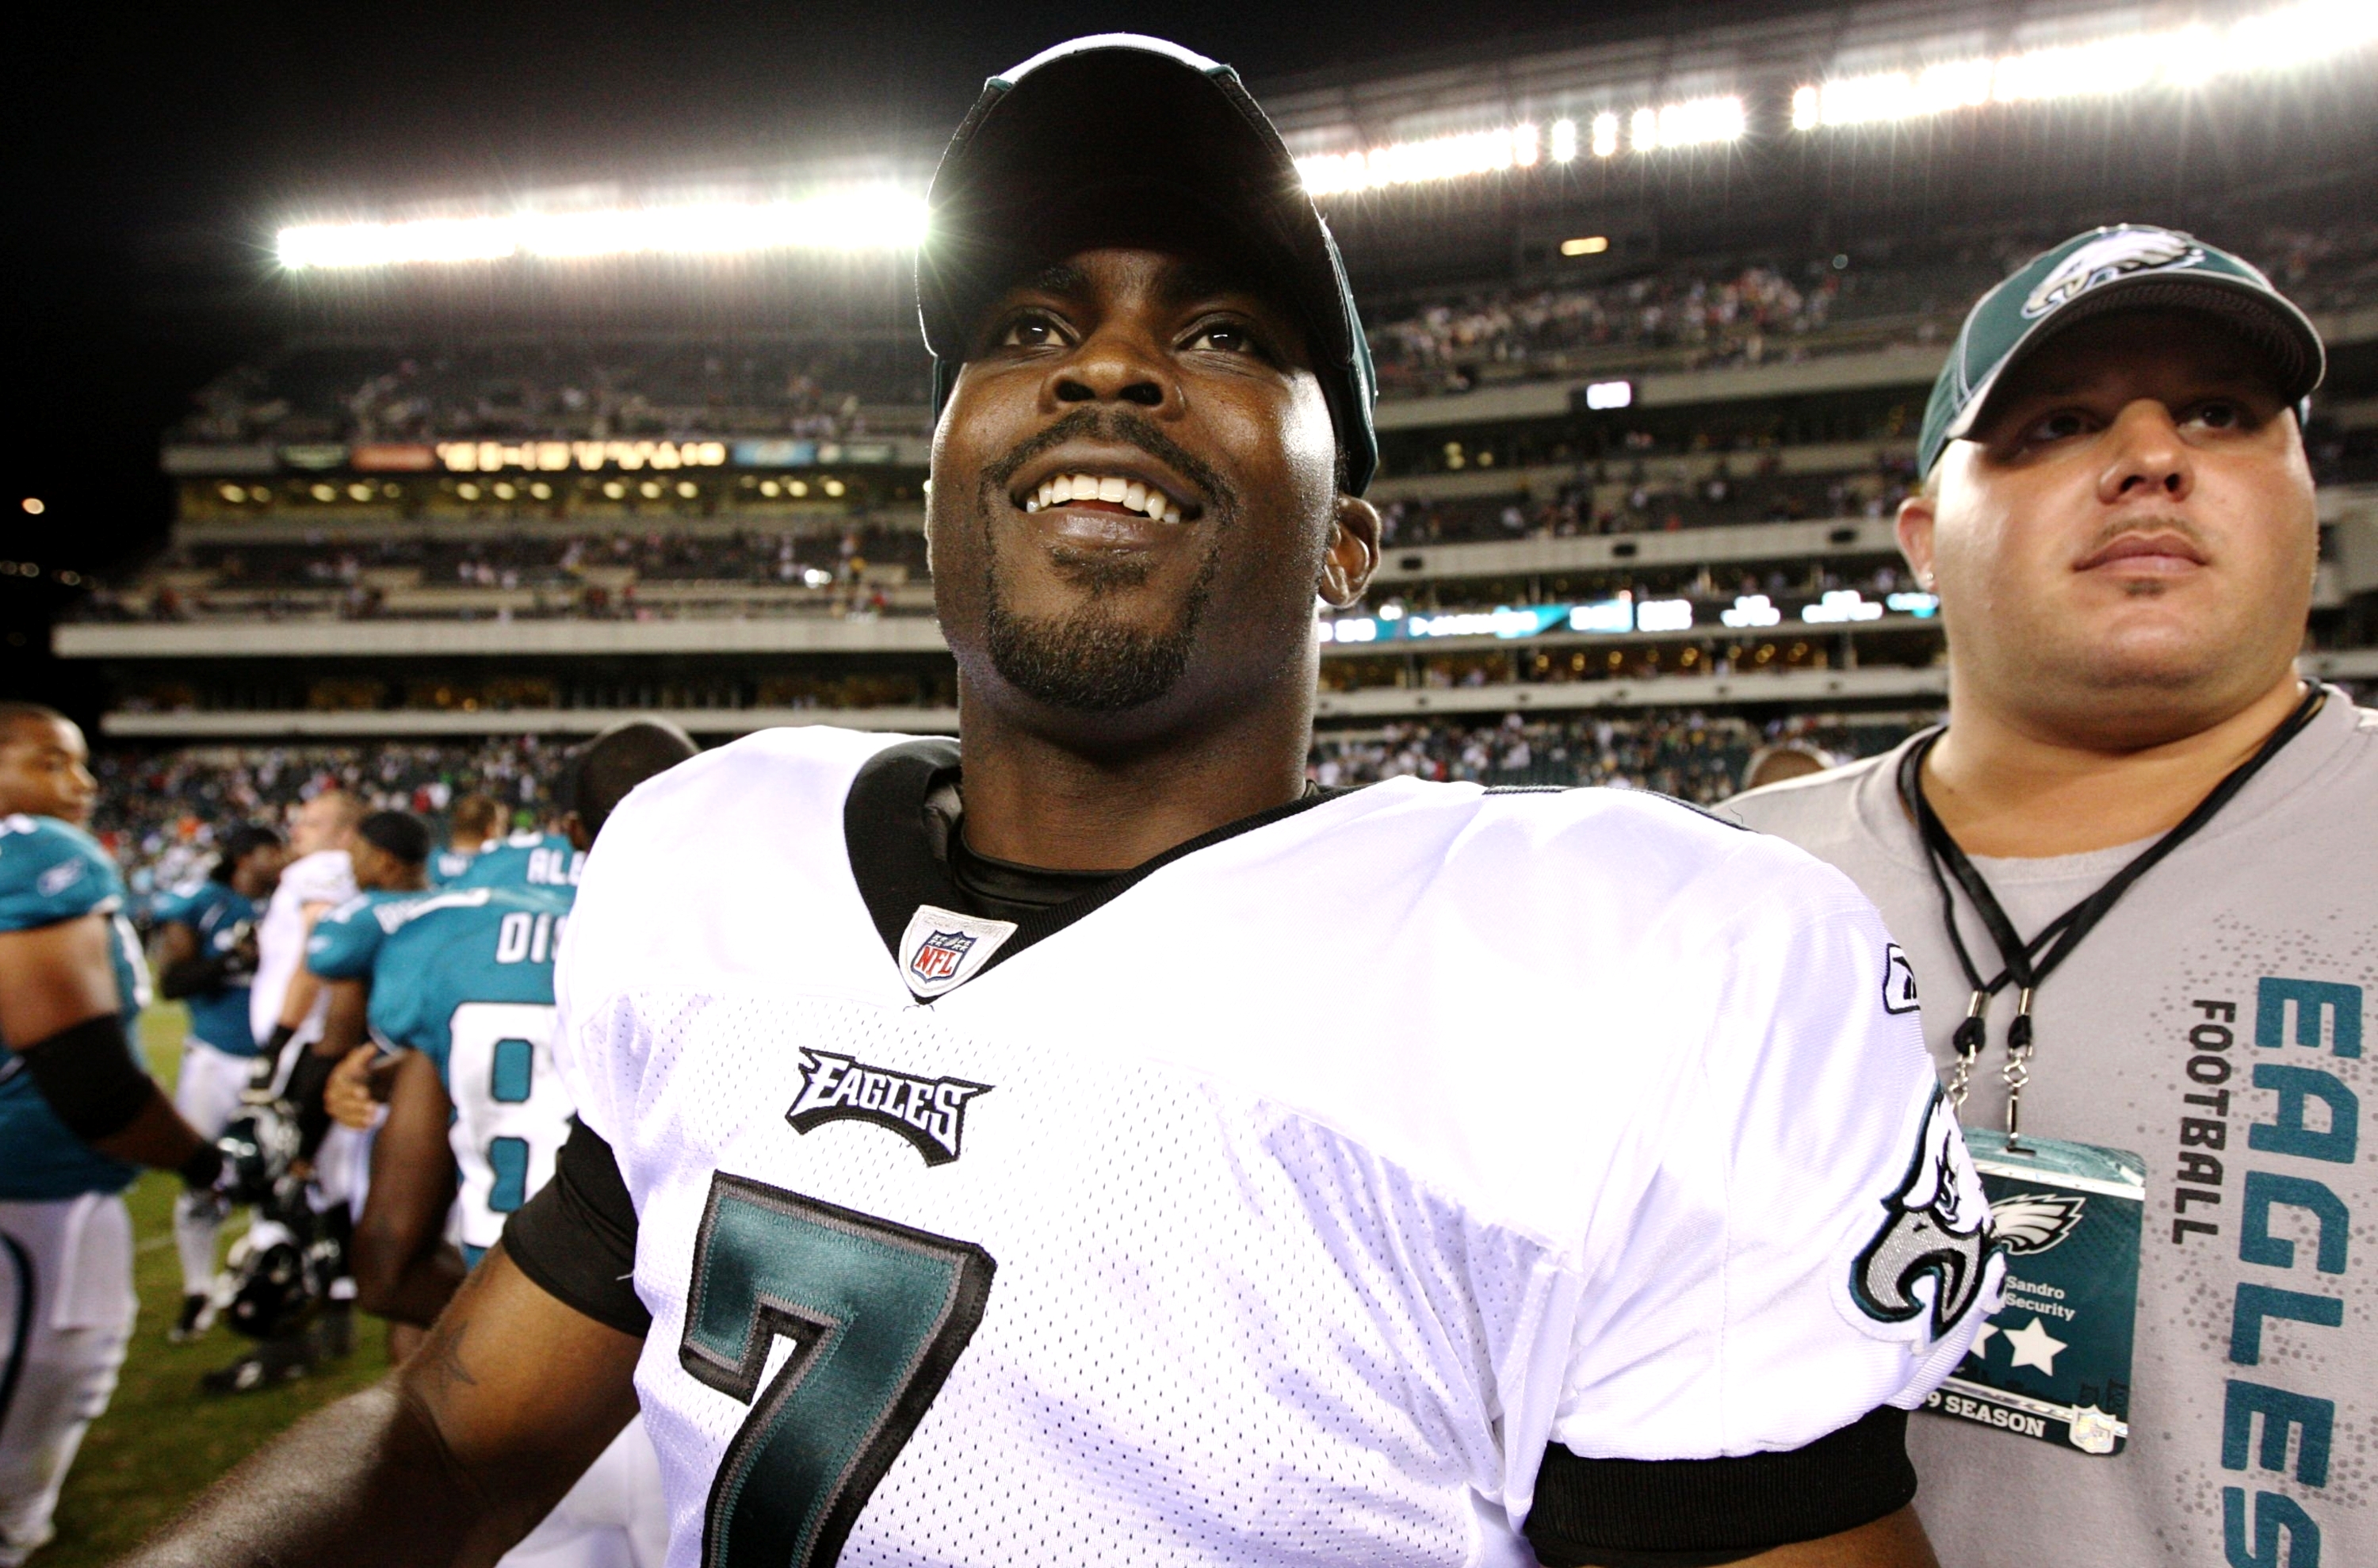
x=278, y=1042
x=89, y=1076
x=191, y=977
x=200, y=1169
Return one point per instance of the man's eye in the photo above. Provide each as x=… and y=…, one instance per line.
x=1226, y=336
x=2057, y=426
x=1029, y=331
x=2220, y=416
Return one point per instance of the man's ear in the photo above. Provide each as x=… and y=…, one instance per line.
x=1917, y=515
x=573, y=827
x=1354, y=553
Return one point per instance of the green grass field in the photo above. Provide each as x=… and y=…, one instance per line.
x=161, y=1442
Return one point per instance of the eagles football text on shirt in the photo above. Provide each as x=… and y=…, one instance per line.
x=1341, y=1185
x=2213, y=1024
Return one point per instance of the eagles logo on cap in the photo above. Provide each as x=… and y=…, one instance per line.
x=2128, y=267
x=2100, y=261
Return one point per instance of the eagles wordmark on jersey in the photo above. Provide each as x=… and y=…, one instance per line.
x=1345, y=1185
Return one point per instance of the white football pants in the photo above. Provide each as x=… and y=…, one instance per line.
x=207, y=1092
x=67, y=1308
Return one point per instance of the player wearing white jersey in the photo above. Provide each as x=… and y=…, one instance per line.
x=1082, y=1143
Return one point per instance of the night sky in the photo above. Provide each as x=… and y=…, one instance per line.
x=152, y=148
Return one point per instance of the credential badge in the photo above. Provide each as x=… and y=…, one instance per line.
x=929, y=1111
x=942, y=949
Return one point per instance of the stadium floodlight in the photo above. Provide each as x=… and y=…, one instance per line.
x=1585, y=245
x=1417, y=163
x=1696, y=122
x=869, y=218
x=1563, y=141
x=2189, y=56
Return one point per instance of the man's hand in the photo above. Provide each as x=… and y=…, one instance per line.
x=451, y=1458
x=350, y=1094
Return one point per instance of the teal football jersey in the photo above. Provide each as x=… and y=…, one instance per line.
x=447, y=867
x=51, y=873
x=525, y=860
x=221, y=919
x=347, y=940
x=465, y=976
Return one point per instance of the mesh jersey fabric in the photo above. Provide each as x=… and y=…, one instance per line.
x=1331, y=1172
x=52, y=871
x=218, y=916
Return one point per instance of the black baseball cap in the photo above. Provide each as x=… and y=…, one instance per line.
x=1123, y=134
x=2124, y=267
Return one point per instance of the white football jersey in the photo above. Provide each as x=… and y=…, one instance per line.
x=326, y=876
x=1283, y=1201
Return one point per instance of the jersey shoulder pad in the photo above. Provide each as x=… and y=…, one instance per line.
x=186, y=904
x=52, y=871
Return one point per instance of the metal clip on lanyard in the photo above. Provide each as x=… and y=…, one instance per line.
x=2028, y=964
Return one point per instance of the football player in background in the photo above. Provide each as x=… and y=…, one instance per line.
x=206, y=960
x=474, y=820
x=78, y=1117
x=462, y=986
x=287, y=1007
x=1080, y=1143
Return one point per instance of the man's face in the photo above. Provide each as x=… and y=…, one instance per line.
x=45, y=770
x=2133, y=527
x=376, y=870
x=320, y=824
x=1134, y=497
x=257, y=873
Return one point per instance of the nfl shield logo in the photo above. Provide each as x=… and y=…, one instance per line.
x=938, y=956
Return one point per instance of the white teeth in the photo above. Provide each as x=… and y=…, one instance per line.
x=1136, y=494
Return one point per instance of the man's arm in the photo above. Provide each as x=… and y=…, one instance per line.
x=453, y=1457
x=57, y=996
x=404, y=1268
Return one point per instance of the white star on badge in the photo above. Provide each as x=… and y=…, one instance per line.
x=2033, y=1346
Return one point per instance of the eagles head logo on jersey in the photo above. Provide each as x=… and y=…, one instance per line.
x=2034, y=1222
x=1898, y=980
x=1938, y=1226
x=929, y=1111
x=2102, y=260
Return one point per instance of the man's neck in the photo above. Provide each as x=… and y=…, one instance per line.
x=1033, y=802
x=2005, y=788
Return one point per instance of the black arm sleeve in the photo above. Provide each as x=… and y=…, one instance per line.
x=1696, y=1513
x=88, y=1074
x=577, y=1238
x=308, y=1077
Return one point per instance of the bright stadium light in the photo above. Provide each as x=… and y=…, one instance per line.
x=873, y=218
x=1417, y=163
x=1563, y=141
x=1605, y=136
x=1697, y=122
x=2189, y=57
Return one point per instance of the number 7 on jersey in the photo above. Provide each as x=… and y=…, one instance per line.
x=877, y=1312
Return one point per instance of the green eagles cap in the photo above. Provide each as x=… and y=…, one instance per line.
x=1118, y=138
x=2128, y=267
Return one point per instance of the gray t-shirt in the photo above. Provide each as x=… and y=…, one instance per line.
x=2266, y=923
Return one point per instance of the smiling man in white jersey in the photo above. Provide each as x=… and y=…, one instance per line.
x=1077, y=1144
x=2159, y=847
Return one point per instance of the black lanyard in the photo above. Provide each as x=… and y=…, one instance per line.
x=2028, y=964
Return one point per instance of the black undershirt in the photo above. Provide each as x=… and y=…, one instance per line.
x=576, y=1238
